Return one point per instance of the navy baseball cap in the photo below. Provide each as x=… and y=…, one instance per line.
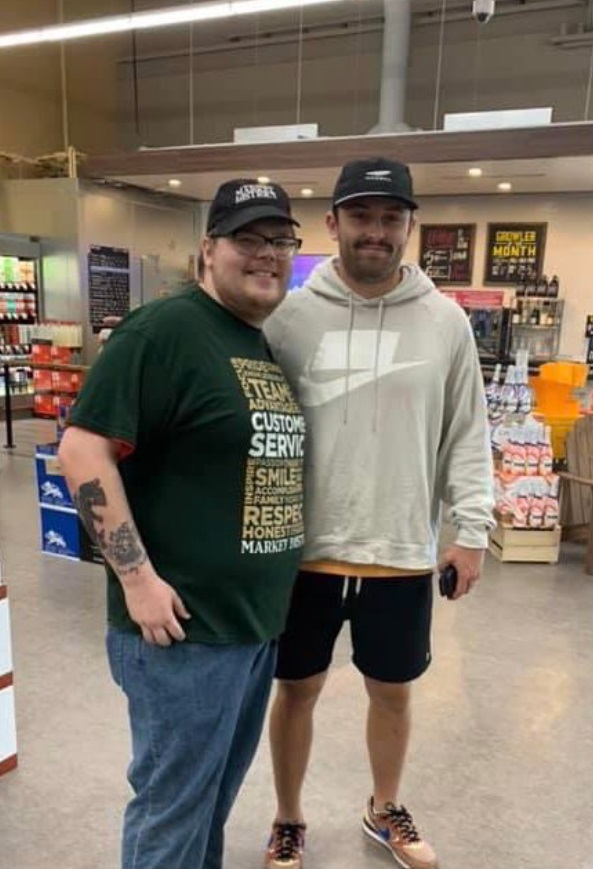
x=375, y=177
x=243, y=200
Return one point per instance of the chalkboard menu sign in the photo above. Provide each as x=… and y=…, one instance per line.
x=447, y=252
x=109, y=283
x=514, y=252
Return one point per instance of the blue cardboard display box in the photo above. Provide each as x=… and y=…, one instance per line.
x=51, y=484
x=62, y=532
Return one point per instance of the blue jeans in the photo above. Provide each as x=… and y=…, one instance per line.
x=196, y=714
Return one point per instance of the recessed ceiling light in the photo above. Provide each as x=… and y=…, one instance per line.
x=174, y=182
x=307, y=191
x=475, y=172
x=505, y=186
x=263, y=179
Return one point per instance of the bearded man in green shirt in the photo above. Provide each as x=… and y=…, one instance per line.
x=184, y=455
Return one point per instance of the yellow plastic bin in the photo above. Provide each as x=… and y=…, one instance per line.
x=555, y=403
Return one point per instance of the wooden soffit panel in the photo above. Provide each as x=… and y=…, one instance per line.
x=557, y=140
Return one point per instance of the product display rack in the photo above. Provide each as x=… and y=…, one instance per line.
x=57, y=385
x=536, y=325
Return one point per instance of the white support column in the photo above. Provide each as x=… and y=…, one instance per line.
x=8, y=752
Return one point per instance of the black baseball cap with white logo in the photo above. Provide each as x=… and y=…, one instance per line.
x=376, y=177
x=244, y=200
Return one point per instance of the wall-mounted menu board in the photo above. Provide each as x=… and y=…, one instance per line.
x=447, y=252
x=109, y=283
x=514, y=252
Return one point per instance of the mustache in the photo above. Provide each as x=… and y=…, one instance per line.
x=367, y=241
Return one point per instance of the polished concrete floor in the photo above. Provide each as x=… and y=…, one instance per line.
x=499, y=772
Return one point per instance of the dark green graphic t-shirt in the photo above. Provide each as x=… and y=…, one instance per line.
x=215, y=465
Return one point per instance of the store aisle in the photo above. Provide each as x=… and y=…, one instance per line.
x=499, y=771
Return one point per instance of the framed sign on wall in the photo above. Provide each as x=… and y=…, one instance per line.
x=447, y=252
x=109, y=283
x=514, y=252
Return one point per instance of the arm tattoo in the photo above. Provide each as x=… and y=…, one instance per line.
x=122, y=547
x=90, y=495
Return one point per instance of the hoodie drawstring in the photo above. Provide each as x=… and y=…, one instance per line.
x=381, y=314
x=348, y=348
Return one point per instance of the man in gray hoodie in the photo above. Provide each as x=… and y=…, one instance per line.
x=386, y=371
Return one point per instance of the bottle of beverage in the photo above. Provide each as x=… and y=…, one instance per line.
x=546, y=456
x=553, y=288
x=492, y=391
x=519, y=453
x=508, y=395
x=551, y=504
x=536, y=506
x=531, y=450
x=542, y=286
x=521, y=504
x=524, y=394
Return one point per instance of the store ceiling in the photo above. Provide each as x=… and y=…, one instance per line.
x=523, y=158
x=554, y=175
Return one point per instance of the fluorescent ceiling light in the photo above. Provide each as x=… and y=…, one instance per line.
x=307, y=192
x=174, y=182
x=475, y=172
x=505, y=186
x=263, y=179
x=148, y=20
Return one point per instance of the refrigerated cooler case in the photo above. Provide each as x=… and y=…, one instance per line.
x=504, y=323
x=490, y=314
x=19, y=313
x=536, y=325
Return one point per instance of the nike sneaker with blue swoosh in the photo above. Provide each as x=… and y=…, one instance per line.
x=393, y=827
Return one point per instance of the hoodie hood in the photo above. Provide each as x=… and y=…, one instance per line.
x=325, y=281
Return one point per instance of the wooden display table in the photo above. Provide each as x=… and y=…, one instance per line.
x=525, y=544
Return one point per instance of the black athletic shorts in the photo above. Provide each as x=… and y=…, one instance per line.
x=389, y=625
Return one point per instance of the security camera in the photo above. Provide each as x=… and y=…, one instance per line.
x=483, y=10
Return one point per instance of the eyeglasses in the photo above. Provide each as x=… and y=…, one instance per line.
x=252, y=243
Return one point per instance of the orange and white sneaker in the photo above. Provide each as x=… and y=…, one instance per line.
x=286, y=846
x=393, y=827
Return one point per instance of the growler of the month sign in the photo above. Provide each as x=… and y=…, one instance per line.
x=514, y=252
x=447, y=252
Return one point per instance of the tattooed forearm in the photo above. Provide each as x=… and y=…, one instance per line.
x=90, y=495
x=122, y=547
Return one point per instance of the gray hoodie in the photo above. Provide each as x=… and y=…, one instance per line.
x=393, y=397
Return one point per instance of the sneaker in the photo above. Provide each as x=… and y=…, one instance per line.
x=286, y=846
x=394, y=828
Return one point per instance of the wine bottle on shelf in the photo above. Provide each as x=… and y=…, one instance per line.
x=553, y=288
x=542, y=287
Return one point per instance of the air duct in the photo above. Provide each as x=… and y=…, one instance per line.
x=396, y=42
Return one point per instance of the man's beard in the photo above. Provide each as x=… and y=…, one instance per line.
x=367, y=270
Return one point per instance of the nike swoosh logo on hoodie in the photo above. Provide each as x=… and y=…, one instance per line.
x=331, y=355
